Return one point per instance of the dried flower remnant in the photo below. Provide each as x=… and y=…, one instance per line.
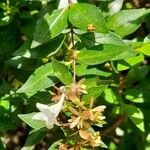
x=98, y=116
x=91, y=27
x=78, y=124
x=77, y=118
x=49, y=114
x=63, y=147
x=66, y=147
x=84, y=117
x=92, y=139
x=75, y=90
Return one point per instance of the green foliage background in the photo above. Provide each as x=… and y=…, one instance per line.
x=114, y=60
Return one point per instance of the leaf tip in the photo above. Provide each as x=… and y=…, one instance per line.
x=35, y=44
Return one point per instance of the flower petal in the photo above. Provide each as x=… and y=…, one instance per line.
x=41, y=107
x=56, y=108
x=49, y=126
x=99, y=108
x=49, y=113
x=65, y=3
x=40, y=116
x=75, y=122
x=84, y=134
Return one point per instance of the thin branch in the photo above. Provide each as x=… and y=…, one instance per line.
x=119, y=120
x=74, y=59
x=72, y=37
x=74, y=70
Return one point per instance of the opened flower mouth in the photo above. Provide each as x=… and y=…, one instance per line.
x=49, y=114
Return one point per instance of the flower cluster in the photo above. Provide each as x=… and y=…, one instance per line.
x=79, y=117
x=83, y=117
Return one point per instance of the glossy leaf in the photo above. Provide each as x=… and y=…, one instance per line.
x=106, y=53
x=136, y=116
x=137, y=74
x=80, y=17
x=135, y=95
x=5, y=104
x=93, y=92
x=34, y=138
x=130, y=62
x=62, y=72
x=82, y=70
x=38, y=81
x=27, y=118
x=50, y=26
x=44, y=51
x=111, y=96
x=22, y=63
x=126, y=22
x=144, y=49
x=54, y=146
x=147, y=39
x=94, y=39
x=91, y=82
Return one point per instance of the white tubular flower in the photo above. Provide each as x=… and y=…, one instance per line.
x=65, y=3
x=49, y=113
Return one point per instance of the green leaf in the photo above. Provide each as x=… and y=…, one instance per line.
x=144, y=49
x=137, y=74
x=44, y=51
x=147, y=39
x=94, y=39
x=82, y=70
x=135, y=115
x=111, y=96
x=105, y=53
x=95, y=81
x=28, y=148
x=5, y=20
x=126, y=22
x=34, y=138
x=22, y=63
x=50, y=26
x=91, y=82
x=55, y=145
x=38, y=81
x=9, y=44
x=62, y=72
x=1, y=145
x=5, y=87
x=80, y=17
x=127, y=63
x=27, y=118
x=93, y=92
x=5, y=104
x=135, y=95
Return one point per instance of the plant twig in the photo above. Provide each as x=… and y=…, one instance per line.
x=119, y=120
x=74, y=59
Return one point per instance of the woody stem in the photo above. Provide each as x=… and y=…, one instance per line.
x=74, y=59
